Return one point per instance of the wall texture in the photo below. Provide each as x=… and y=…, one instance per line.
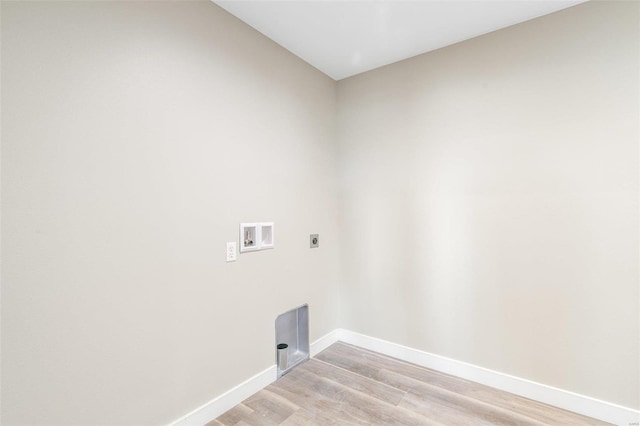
x=488, y=194
x=491, y=201
x=136, y=137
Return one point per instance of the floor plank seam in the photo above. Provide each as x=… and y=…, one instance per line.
x=363, y=377
x=348, y=385
x=346, y=389
x=450, y=376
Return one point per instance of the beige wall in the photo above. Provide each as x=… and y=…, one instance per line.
x=491, y=201
x=136, y=137
x=487, y=193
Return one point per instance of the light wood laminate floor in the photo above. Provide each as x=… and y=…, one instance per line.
x=347, y=385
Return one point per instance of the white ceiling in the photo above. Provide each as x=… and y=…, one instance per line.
x=342, y=38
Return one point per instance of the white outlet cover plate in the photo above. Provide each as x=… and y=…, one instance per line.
x=231, y=251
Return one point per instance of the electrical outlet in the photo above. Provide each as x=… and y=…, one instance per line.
x=314, y=241
x=231, y=251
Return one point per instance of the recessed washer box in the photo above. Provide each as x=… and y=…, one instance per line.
x=249, y=238
x=257, y=236
x=266, y=235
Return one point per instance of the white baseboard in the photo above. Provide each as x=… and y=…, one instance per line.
x=228, y=400
x=581, y=404
x=324, y=342
x=244, y=390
